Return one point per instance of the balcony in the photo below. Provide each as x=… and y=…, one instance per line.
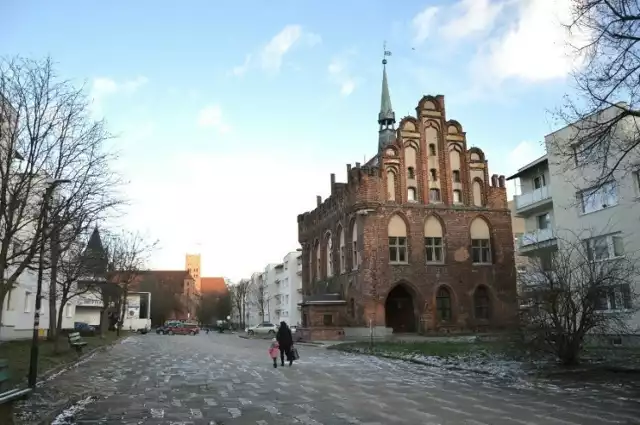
x=540, y=238
x=530, y=201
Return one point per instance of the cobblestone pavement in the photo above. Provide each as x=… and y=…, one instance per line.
x=225, y=380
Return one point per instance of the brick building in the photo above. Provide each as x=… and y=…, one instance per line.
x=418, y=239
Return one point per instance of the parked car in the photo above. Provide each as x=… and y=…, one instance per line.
x=179, y=328
x=265, y=328
x=161, y=330
x=85, y=329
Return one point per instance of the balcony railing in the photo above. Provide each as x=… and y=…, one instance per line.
x=530, y=198
x=535, y=237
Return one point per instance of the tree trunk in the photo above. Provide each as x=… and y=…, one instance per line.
x=56, y=336
x=53, y=282
x=3, y=295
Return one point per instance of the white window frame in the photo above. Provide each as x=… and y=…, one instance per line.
x=592, y=200
x=9, y=300
x=636, y=182
x=543, y=182
x=615, y=299
x=433, y=244
x=483, y=245
x=400, y=244
x=609, y=240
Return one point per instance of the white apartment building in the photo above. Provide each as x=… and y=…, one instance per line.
x=289, y=289
x=19, y=307
x=558, y=205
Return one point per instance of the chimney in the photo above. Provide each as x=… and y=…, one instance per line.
x=319, y=200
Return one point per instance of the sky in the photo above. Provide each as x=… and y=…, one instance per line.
x=231, y=116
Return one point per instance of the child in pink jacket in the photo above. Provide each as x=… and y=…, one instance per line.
x=274, y=349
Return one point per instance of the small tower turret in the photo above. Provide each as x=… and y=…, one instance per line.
x=386, y=117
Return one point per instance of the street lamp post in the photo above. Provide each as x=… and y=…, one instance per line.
x=33, y=363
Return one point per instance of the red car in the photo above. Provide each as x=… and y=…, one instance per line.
x=181, y=329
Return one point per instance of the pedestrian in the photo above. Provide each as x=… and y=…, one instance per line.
x=285, y=342
x=273, y=351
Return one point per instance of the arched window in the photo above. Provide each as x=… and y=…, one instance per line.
x=456, y=176
x=329, y=254
x=433, y=174
x=433, y=240
x=411, y=194
x=355, y=258
x=480, y=242
x=434, y=195
x=397, y=232
x=343, y=264
x=411, y=173
x=432, y=149
x=318, y=262
x=457, y=196
x=482, y=303
x=391, y=185
x=476, y=188
x=443, y=304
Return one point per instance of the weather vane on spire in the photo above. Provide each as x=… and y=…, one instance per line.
x=386, y=53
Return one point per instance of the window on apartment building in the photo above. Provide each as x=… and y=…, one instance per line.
x=456, y=176
x=27, y=302
x=538, y=182
x=543, y=221
x=617, y=297
x=434, y=195
x=411, y=173
x=432, y=149
x=590, y=150
x=411, y=194
x=9, y=300
x=636, y=182
x=457, y=196
x=598, y=198
x=433, y=174
x=434, y=250
x=68, y=311
x=397, y=249
x=327, y=320
x=604, y=247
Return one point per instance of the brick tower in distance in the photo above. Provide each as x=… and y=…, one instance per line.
x=192, y=265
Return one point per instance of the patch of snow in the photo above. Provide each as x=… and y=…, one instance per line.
x=66, y=417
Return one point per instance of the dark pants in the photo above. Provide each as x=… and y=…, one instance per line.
x=283, y=351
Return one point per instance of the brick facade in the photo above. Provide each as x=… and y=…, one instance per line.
x=369, y=200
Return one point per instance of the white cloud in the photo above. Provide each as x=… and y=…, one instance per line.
x=340, y=75
x=242, y=69
x=270, y=57
x=534, y=48
x=471, y=16
x=422, y=24
x=103, y=87
x=211, y=117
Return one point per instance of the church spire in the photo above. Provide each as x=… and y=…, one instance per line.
x=386, y=117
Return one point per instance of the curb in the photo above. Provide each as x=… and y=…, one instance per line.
x=308, y=344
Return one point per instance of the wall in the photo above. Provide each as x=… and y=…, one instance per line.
x=571, y=223
x=19, y=307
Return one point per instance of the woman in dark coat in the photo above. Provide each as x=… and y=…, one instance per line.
x=285, y=341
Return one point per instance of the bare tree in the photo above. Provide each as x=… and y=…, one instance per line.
x=576, y=292
x=46, y=134
x=607, y=34
x=72, y=279
x=259, y=297
x=239, y=298
x=128, y=254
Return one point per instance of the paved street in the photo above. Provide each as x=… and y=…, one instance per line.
x=225, y=380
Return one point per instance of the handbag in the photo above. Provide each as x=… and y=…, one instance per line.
x=294, y=354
